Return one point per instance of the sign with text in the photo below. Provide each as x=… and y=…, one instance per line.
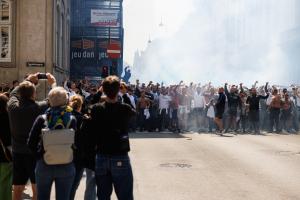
x=105, y=18
x=35, y=64
x=89, y=55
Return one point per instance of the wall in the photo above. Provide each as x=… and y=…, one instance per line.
x=34, y=23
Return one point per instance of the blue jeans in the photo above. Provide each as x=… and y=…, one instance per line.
x=114, y=171
x=211, y=124
x=62, y=175
x=296, y=118
x=90, y=190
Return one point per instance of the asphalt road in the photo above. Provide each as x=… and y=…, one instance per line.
x=203, y=166
x=194, y=167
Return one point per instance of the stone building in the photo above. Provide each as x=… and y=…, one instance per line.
x=34, y=38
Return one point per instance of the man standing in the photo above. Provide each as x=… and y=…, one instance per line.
x=253, y=101
x=275, y=107
x=286, y=113
x=164, y=105
x=113, y=168
x=143, y=104
x=234, y=102
x=296, y=108
x=23, y=110
x=198, y=111
x=184, y=109
x=220, y=108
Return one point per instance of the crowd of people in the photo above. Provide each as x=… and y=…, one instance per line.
x=55, y=140
x=204, y=108
x=36, y=136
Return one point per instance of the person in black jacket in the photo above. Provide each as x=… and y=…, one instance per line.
x=253, y=102
x=5, y=155
x=22, y=111
x=110, y=129
x=220, y=108
x=234, y=102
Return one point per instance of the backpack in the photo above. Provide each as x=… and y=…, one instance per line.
x=58, y=144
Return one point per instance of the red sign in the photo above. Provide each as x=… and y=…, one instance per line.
x=114, y=50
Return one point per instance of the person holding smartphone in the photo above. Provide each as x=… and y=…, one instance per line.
x=5, y=153
x=23, y=109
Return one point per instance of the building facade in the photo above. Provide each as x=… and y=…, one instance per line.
x=96, y=26
x=35, y=37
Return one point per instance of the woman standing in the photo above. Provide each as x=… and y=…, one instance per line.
x=60, y=171
x=5, y=155
x=83, y=156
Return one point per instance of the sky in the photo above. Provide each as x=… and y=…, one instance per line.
x=142, y=19
x=214, y=40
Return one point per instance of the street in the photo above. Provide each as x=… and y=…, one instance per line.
x=204, y=166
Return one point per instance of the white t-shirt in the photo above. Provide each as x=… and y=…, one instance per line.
x=164, y=101
x=199, y=100
x=211, y=112
x=131, y=100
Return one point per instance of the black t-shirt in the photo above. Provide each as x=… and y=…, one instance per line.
x=220, y=105
x=254, y=100
x=110, y=127
x=5, y=135
x=233, y=101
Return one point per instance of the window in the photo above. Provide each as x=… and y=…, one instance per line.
x=5, y=30
x=57, y=27
x=62, y=40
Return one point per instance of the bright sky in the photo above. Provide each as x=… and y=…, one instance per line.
x=142, y=19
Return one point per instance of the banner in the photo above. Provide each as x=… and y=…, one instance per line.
x=105, y=18
x=89, y=55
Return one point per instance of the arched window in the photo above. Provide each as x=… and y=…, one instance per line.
x=5, y=30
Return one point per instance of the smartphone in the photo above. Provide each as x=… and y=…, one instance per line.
x=42, y=76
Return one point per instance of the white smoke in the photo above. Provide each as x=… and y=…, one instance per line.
x=227, y=41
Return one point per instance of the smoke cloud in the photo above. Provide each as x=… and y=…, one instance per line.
x=228, y=41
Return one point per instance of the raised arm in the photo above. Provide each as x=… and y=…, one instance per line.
x=241, y=88
x=255, y=84
x=266, y=87
x=226, y=89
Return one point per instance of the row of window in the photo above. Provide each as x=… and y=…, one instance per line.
x=6, y=30
x=62, y=38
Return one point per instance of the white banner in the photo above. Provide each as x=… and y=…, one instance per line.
x=105, y=18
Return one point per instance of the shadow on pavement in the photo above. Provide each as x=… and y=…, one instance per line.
x=226, y=135
x=139, y=135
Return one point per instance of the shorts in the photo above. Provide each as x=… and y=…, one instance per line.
x=219, y=114
x=23, y=168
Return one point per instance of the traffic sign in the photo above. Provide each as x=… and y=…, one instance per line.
x=114, y=51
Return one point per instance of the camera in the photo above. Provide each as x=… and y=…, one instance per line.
x=42, y=76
